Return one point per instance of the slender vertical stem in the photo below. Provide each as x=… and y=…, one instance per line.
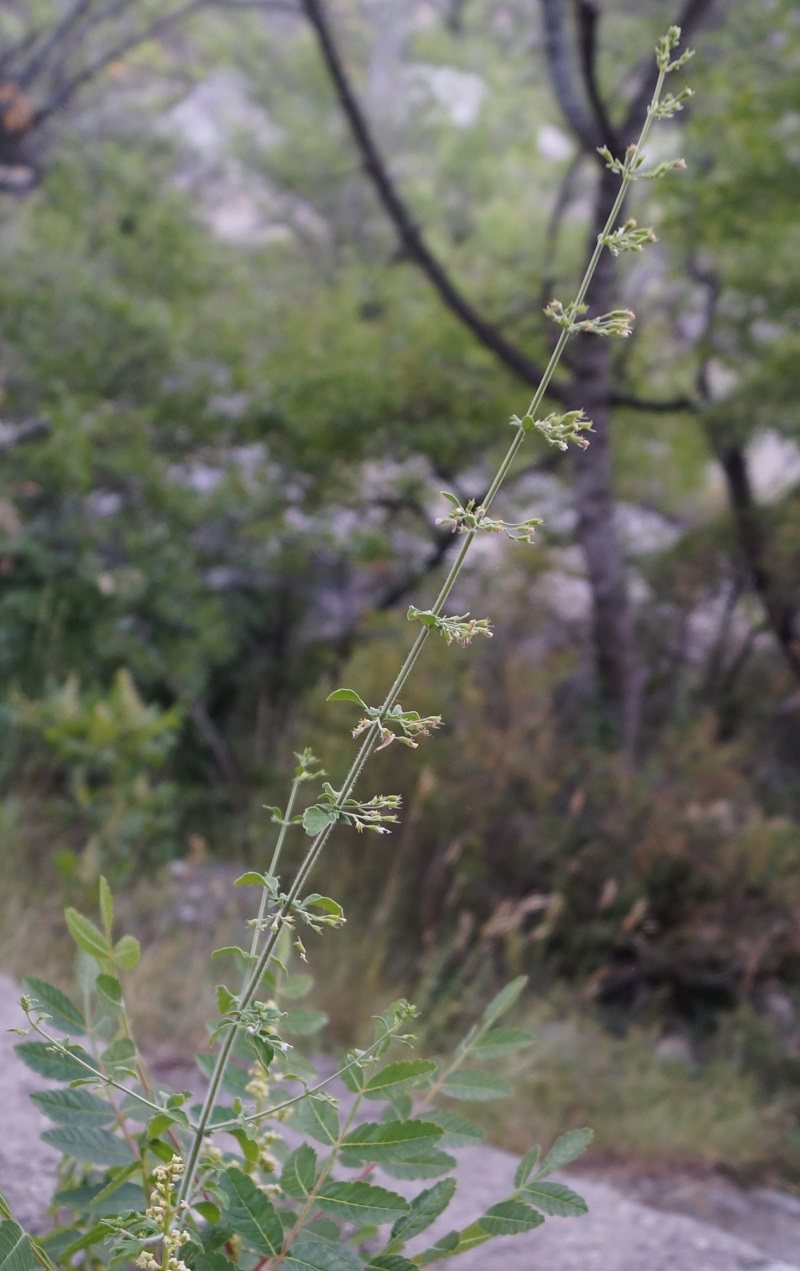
x=370, y=740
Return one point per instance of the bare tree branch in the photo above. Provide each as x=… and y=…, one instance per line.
x=89, y=72
x=660, y=406
x=587, y=46
x=585, y=127
x=54, y=41
x=409, y=233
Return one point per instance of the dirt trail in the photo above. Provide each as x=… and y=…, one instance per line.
x=731, y=1230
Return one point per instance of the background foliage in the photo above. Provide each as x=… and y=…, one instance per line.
x=230, y=495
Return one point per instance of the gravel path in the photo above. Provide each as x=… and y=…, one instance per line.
x=618, y=1234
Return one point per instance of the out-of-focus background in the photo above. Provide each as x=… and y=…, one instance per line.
x=246, y=338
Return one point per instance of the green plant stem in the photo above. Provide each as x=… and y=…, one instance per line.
x=372, y=735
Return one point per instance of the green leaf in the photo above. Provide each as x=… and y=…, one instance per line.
x=317, y=1118
x=308, y=1254
x=390, y=1262
x=526, y=1166
x=127, y=952
x=296, y=986
x=431, y=1165
x=346, y=695
x=510, y=1218
x=161, y=1121
x=86, y=935
x=403, y=1075
x=299, y=1172
x=316, y=819
x=120, y=1054
x=253, y=879
x=361, y=1202
x=250, y=1214
x=41, y=1058
x=451, y=1244
x=16, y=1250
x=425, y=1209
x=225, y=999
x=106, y=907
x=303, y=1022
x=383, y=1141
x=235, y=1081
x=96, y=1145
x=465, y=1084
x=64, y=1017
x=214, y=1261
x=500, y=1041
x=263, y=1051
x=110, y=988
x=208, y=1211
x=504, y=1000
x=67, y=1107
x=352, y=1076
x=103, y=1199
x=325, y=903
x=555, y=1199
x=458, y=1132
x=565, y=1150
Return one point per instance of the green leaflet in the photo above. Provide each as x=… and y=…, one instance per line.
x=120, y=1054
x=428, y=1165
x=554, y=1199
x=64, y=1017
x=466, y=1084
x=103, y=1198
x=403, y=1075
x=299, y=1172
x=296, y=986
x=235, y=1081
x=56, y=1065
x=97, y=1145
x=500, y=1041
x=451, y=1244
x=73, y=1107
x=127, y=952
x=510, y=1218
x=565, y=1150
x=87, y=936
x=308, y=1254
x=361, y=1202
x=384, y=1141
x=526, y=1166
x=303, y=1022
x=390, y=1262
x=318, y=1118
x=425, y=1209
x=250, y=1214
x=110, y=988
x=16, y=1250
x=504, y=1000
x=458, y=1132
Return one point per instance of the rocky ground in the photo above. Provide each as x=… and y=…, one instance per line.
x=676, y=1222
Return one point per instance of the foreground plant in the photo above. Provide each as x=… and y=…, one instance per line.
x=142, y=1177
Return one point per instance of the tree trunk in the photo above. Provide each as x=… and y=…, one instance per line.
x=613, y=628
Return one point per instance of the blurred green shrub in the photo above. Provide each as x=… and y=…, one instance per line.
x=106, y=751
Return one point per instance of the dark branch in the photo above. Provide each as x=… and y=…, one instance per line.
x=568, y=95
x=657, y=406
x=399, y=214
x=88, y=73
x=587, y=47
